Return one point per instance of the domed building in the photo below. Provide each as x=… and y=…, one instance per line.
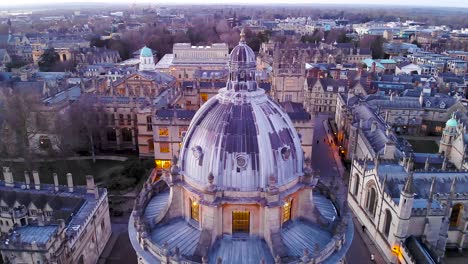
x=240, y=192
x=146, y=60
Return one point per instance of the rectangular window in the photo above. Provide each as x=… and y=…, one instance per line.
x=111, y=135
x=48, y=213
x=121, y=119
x=112, y=119
x=194, y=210
x=163, y=132
x=129, y=120
x=164, y=147
x=287, y=211
x=33, y=212
x=204, y=97
x=182, y=131
x=149, y=123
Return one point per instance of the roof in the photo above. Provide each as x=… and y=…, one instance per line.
x=146, y=52
x=244, y=250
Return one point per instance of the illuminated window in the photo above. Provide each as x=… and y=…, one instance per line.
x=44, y=142
x=194, y=210
x=163, y=164
x=182, y=131
x=163, y=132
x=287, y=211
x=456, y=214
x=149, y=123
x=204, y=97
x=164, y=147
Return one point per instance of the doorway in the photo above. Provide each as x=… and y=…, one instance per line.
x=240, y=222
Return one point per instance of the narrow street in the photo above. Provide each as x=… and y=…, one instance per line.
x=323, y=159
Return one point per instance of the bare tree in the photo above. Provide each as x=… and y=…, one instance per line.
x=84, y=125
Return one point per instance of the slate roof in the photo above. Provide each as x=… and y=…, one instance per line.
x=179, y=113
x=295, y=111
x=242, y=250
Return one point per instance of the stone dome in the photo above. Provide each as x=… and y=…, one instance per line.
x=242, y=54
x=146, y=52
x=241, y=137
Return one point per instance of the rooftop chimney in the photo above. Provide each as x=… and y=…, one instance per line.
x=56, y=182
x=27, y=180
x=8, y=175
x=91, y=187
x=70, y=182
x=37, y=181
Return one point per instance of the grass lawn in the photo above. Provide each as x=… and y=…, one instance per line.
x=424, y=146
x=79, y=168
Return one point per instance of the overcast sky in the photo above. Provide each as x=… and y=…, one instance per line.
x=448, y=3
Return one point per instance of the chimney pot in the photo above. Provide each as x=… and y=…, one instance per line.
x=56, y=182
x=8, y=175
x=37, y=181
x=70, y=182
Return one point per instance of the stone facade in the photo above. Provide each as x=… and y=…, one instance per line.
x=397, y=204
x=45, y=223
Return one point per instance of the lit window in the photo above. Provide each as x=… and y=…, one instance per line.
x=163, y=132
x=163, y=164
x=287, y=211
x=194, y=210
x=164, y=147
x=204, y=97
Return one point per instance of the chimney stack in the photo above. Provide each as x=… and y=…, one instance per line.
x=8, y=175
x=37, y=181
x=56, y=182
x=27, y=180
x=91, y=186
x=70, y=182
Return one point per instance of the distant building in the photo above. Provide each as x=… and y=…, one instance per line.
x=186, y=60
x=52, y=223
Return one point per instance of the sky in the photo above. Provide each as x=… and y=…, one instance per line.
x=445, y=3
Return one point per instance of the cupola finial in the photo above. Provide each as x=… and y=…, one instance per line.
x=242, y=36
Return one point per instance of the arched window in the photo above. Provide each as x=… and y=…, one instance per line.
x=287, y=211
x=387, y=222
x=194, y=210
x=356, y=185
x=456, y=214
x=371, y=200
x=64, y=57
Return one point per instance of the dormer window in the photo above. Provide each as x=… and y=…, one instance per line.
x=442, y=105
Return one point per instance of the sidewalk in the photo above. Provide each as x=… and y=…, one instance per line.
x=379, y=259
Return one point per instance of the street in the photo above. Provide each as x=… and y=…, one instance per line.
x=323, y=159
